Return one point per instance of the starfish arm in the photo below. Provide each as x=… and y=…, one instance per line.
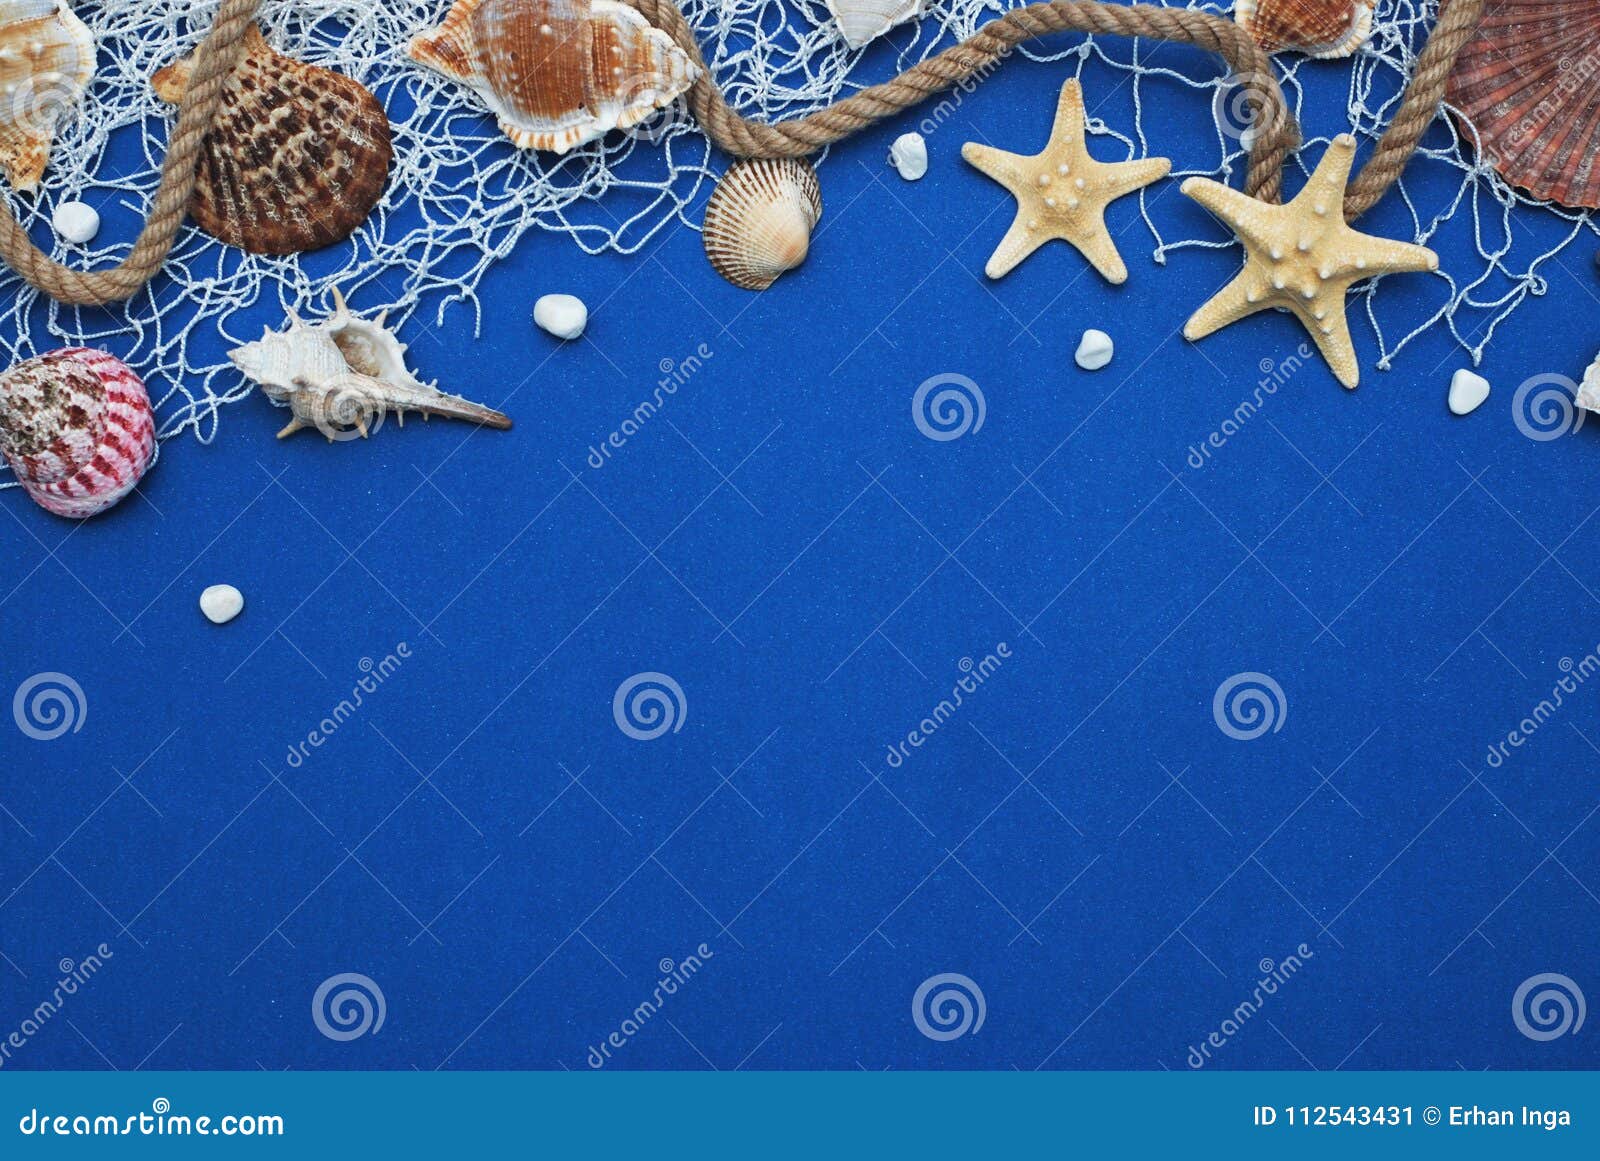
x=1373, y=256
x=1326, y=185
x=1244, y=215
x=1094, y=243
x=1233, y=302
x=1005, y=168
x=1123, y=177
x=1069, y=115
x=1018, y=243
x=1332, y=336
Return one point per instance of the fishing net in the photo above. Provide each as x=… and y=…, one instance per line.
x=460, y=197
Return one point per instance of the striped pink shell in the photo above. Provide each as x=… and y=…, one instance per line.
x=77, y=429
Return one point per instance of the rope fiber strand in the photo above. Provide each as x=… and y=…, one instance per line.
x=1275, y=129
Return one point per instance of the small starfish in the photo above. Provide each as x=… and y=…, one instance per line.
x=1063, y=192
x=1302, y=257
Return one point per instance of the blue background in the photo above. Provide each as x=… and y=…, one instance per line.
x=485, y=843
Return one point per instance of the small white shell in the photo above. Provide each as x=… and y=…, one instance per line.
x=862, y=21
x=563, y=315
x=909, y=155
x=221, y=603
x=75, y=222
x=1094, y=350
x=1468, y=390
x=759, y=220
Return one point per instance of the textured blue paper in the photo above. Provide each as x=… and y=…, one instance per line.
x=1080, y=839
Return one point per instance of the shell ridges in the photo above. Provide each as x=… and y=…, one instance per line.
x=759, y=220
x=47, y=59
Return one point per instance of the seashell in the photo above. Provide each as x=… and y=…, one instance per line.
x=1589, y=390
x=597, y=65
x=77, y=429
x=862, y=21
x=909, y=156
x=759, y=220
x=341, y=375
x=1320, y=28
x=46, y=62
x=1529, y=83
x=296, y=159
x=75, y=222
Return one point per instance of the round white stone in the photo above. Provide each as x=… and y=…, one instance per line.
x=1467, y=391
x=1094, y=350
x=221, y=603
x=562, y=315
x=75, y=222
x=909, y=155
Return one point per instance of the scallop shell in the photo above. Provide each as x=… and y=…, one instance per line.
x=1529, y=83
x=296, y=159
x=759, y=220
x=597, y=66
x=1320, y=28
x=861, y=21
x=77, y=429
x=346, y=373
x=46, y=62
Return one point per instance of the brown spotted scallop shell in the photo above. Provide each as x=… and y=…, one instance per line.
x=1529, y=84
x=1319, y=28
x=296, y=159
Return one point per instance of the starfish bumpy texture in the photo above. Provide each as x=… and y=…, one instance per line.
x=1302, y=257
x=1062, y=192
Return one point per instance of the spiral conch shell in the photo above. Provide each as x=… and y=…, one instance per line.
x=1319, y=28
x=558, y=73
x=46, y=62
x=77, y=429
x=759, y=220
x=343, y=375
x=296, y=159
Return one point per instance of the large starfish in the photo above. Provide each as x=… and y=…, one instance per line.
x=1062, y=192
x=1302, y=257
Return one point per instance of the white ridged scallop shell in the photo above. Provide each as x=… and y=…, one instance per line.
x=862, y=21
x=46, y=62
x=759, y=220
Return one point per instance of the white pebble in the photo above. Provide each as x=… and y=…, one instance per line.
x=75, y=222
x=1094, y=350
x=221, y=603
x=1467, y=391
x=562, y=315
x=909, y=155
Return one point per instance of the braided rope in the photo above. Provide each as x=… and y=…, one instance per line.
x=1276, y=132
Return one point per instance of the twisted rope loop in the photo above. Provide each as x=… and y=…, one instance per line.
x=1275, y=130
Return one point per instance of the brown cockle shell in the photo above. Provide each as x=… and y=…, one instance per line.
x=46, y=62
x=759, y=220
x=1319, y=28
x=558, y=73
x=296, y=159
x=1529, y=84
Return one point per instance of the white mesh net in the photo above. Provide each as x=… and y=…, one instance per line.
x=460, y=197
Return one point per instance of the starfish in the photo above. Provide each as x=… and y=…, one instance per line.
x=1062, y=192
x=1301, y=257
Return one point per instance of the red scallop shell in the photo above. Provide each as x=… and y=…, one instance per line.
x=1529, y=82
x=77, y=428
